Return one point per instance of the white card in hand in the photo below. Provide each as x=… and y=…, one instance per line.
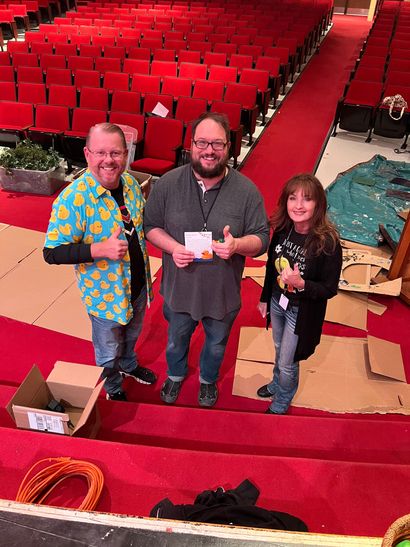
x=200, y=243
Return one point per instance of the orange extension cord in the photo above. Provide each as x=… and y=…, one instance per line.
x=36, y=489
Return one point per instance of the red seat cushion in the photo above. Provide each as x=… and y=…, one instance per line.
x=152, y=165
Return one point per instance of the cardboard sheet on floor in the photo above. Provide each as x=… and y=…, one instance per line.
x=16, y=244
x=31, y=287
x=347, y=309
x=155, y=264
x=344, y=374
x=67, y=314
x=34, y=292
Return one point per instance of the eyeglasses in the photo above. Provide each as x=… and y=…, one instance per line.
x=216, y=145
x=100, y=154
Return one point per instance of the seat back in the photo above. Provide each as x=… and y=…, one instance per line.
x=7, y=91
x=253, y=76
x=146, y=83
x=205, y=89
x=16, y=114
x=189, y=109
x=93, y=97
x=86, y=78
x=152, y=99
x=32, y=74
x=24, y=59
x=177, y=87
x=60, y=76
x=223, y=73
x=126, y=101
x=243, y=94
x=63, y=95
x=31, y=93
x=231, y=110
x=136, y=66
x=195, y=71
x=171, y=138
x=84, y=118
x=116, y=80
x=52, y=117
x=134, y=120
x=164, y=68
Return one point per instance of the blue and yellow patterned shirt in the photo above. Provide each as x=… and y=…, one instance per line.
x=85, y=212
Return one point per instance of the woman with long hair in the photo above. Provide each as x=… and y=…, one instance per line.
x=302, y=273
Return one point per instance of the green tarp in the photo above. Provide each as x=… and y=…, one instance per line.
x=357, y=200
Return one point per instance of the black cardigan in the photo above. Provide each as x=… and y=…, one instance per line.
x=321, y=281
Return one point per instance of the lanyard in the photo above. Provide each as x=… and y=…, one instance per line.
x=204, y=229
x=280, y=255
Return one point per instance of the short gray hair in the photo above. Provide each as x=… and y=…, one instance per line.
x=107, y=128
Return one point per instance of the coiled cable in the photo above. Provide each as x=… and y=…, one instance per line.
x=36, y=489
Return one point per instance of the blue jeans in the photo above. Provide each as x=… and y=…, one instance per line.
x=286, y=372
x=181, y=327
x=114, y=344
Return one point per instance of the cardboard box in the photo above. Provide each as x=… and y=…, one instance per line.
x=75, y=385
x=144, y=180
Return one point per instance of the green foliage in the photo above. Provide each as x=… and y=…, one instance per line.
x=28, y=155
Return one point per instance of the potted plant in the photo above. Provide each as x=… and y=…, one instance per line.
x=29, y=168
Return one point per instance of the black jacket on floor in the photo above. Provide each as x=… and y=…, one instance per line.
x=233, y=507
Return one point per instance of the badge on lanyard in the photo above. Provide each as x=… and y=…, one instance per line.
x=283, y=302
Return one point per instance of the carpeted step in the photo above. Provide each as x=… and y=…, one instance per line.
x=325, y=494
x=246, y=433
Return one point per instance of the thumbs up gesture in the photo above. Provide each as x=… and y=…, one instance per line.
x=113, y=248
x=226, y=248
x=292, y=277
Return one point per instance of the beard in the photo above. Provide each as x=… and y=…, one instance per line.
x=209, y=172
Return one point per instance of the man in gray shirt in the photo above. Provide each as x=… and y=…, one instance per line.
x=206, y=218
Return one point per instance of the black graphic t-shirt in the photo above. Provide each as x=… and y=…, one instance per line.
x=134, y=249
x=286, y=254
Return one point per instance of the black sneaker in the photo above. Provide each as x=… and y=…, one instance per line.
x=141, y=375
x=119, y=396
x=208, y=395
x=264, y=392
x=170, y=391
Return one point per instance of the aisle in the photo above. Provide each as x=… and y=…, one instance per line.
x=293, y=140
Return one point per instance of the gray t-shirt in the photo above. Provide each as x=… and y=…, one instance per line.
x=205, y=289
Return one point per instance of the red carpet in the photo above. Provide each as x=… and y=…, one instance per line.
x=327, y=469
x=330, y=496
x=293, y=141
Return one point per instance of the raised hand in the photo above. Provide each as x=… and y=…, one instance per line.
x=113, y=248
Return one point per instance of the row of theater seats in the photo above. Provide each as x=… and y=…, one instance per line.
x=65, y=130
x=287, y=49
x=253, y=100
x=382, y=70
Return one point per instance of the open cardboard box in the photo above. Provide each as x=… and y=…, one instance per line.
x=144, y=180
x=75, y=385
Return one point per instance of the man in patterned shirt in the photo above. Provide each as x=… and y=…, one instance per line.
x=96, y=223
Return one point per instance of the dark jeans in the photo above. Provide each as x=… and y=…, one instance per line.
x=181, y=326
x=114, y=344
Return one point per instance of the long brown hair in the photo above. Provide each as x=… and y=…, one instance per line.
x=322, y=236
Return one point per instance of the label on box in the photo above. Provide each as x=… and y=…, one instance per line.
x=45, y=422
x=200, y=243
